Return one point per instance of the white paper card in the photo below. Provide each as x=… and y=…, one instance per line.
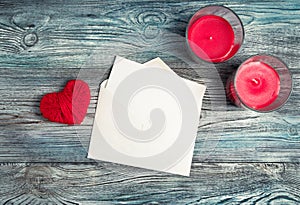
x=147, y=116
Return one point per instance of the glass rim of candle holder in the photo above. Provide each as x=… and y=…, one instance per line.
x=230, y=17
x=285, y=79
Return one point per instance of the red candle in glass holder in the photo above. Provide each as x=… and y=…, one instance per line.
x=212, y=36
x=262, y=83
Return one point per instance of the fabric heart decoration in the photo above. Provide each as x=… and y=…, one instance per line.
x=68, y=106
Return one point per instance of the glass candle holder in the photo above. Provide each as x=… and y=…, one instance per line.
x=262, y=83
x=214, y=34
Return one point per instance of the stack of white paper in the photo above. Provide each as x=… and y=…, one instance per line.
x=147, y=116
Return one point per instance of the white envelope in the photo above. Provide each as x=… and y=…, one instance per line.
x=109, y=142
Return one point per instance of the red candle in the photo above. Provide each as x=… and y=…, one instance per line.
x=215, y=34
x=212, y=38
x=257, y=84
x=262, y=83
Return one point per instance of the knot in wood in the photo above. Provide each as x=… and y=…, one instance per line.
x=151, y=31
x=38, y=179
x=30, y=39
x=293, y=131
x=152, y=23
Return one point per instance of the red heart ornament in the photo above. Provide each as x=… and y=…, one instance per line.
x=68, y=106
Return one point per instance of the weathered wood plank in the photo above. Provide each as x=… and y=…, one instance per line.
x=105, y=183
x=42, y=45
x=65, y=29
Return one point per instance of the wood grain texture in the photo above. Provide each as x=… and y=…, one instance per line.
x=210, y=183
x=45, y=44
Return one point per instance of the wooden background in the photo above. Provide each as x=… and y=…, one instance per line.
x=255, y=158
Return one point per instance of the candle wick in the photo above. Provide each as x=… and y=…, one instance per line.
x=255, y=81
x=210, y=38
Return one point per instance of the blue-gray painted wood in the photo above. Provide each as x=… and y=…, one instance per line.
x=44, y=44
x=210, y=183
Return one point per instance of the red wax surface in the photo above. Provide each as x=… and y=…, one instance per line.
x=257, y=84
x=212, y=38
